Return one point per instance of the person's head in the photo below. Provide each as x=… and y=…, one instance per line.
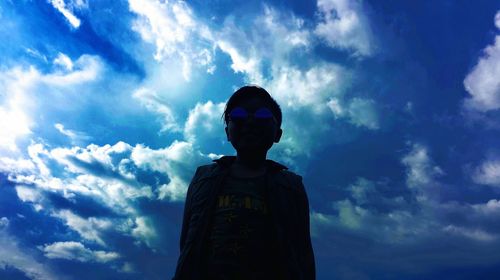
x=253, y=119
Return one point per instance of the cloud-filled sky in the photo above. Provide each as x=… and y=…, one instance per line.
x=391, y=113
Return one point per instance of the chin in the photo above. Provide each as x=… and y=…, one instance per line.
x=250, y=148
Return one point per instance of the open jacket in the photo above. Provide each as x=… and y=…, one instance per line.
x=288, y=205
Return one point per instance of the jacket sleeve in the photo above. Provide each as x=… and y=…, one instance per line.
x=187, y=210
x=308, y=263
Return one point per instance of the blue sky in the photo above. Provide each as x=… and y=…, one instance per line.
x=390, y=114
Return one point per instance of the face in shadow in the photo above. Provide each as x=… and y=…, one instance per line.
x=252, y=127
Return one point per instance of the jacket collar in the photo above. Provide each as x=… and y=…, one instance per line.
x=226, y=162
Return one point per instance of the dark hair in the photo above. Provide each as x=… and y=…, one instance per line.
x=251, y=91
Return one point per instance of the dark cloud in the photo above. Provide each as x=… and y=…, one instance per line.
x=83, y=206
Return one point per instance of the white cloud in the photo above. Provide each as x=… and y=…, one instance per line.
x=71, y=250
x=86, y=68
x=144, y=230
x=158, y=160
x=491, y=207
x=476, y=234
x=61, y=7
x=89, y=228
x=178, y=161
x=271, y=37
x=36, y=152
x=164, y=24
x=127, y=268
x=311, y=87
x=361, y=190
x=421, y=172
x=19, y=103
x=64, y=61
x=241, y=63
x=307, y=103
x=336, y=107
x=4, y=222
x=92, y=153
x=78, y=4
x=497, y=19
x=488, y=173
x=153, y=102
x=176, y=33
x=16, y=165
x=343, y=25
x=350, y=215
x=27, y=194
x=15, y=122
x=318, y=221
x=36, y=54
x=204, y=125
x=115, y=194
x=360, y=112
x=482, y=82
x=74, y=136
x=63, y=131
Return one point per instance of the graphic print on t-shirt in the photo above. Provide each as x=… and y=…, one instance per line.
x=241, y=235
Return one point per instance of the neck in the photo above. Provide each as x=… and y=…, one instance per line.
x=252, y=160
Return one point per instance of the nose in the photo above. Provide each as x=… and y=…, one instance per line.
x=250, y=126
x=251, y=119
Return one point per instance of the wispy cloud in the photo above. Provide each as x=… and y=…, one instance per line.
x=374, y=217
x=153, y=102
x=60, y=5
x=74, y=136
x=12, y=254
x=71, y=250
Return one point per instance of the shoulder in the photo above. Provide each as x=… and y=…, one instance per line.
x=291, y=174
x=204, y=171
x=290, y=180
x=206, y=167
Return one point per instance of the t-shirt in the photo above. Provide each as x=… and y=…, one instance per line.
x=241, y=242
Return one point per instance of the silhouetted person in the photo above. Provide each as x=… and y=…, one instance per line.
x=245, y=216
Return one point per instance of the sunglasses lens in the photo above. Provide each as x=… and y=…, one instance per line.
x=263, y=113
x=238, y=114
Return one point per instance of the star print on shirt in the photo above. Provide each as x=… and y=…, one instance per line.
x=230, y=216
x=235, y=248
x=245, y=230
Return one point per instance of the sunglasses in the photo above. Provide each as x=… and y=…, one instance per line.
x=262, y=115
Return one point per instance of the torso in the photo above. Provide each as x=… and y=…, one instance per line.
x=241, y=235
